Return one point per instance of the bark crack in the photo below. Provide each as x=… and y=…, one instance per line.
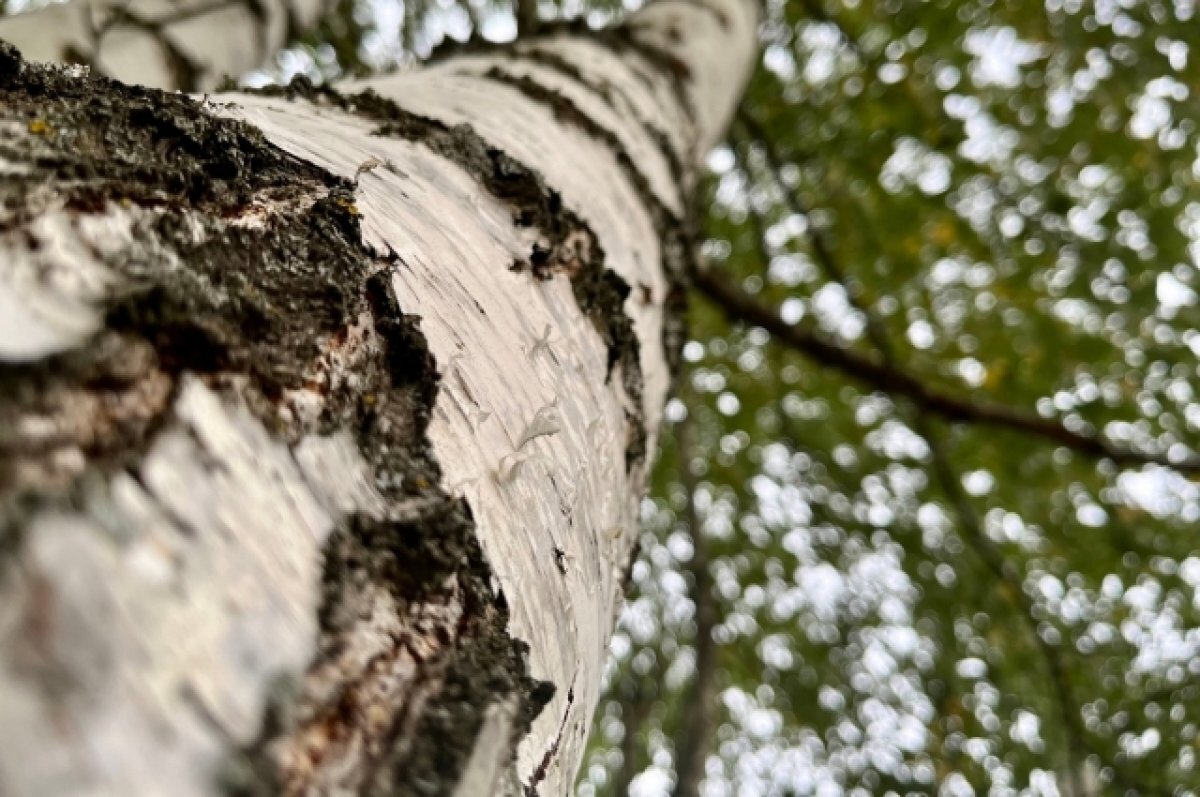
x=551, y=753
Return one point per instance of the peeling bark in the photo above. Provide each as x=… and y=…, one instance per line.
x=327, y=412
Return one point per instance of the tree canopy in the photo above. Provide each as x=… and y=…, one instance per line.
x=926, y=519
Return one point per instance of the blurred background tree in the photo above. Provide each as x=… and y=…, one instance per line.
x=926, y=522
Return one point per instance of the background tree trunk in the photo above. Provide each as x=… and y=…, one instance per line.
x=167, y=44
x=325, y=415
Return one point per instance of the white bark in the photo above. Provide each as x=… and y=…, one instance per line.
x=203, y=573
x=165, y=609
x=161, y=43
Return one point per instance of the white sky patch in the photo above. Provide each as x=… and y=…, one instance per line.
x=720, y=160
x=1060, y=106
x=1171, y=293
x=955, y=785
x=971, y=668
x=896, y=441
x=1151, y=115
x=978, y=482
x=913, y=164
x=1009, y=527
x=780, y=61
x=792, y=310
x=987, y=141
x=1091, y=515
x=791, y=269
x=1026, y=730
x=920, y=334
x=1161, y=492
x=833, y=310
x=999, y=55
x=728, y=404
x=1152, y=110
x=653, y=782
x=499, y=27
x=1085, y=219
x=1093, y=176
x=971, y=371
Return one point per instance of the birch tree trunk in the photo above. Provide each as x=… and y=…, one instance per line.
x=325, y=414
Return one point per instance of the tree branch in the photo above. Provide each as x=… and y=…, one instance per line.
x=526, y=12
x=885, y=375
x=741, y=306
x=694, y=738
x=633, y=715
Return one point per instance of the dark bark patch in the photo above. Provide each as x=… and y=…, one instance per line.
x=96, y=143
x=608, y=94
x=539, y=774
x=623, y=40
x=98, y=406
x=482, y=667
x=407, y=736
x=147, y=147
x=677, y=235
x=570, y=245
x=409, y=361
x=269, y=316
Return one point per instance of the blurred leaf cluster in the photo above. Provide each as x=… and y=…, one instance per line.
x=1000, y=199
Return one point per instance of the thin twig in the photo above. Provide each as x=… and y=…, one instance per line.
x=634, y=713
x=526, y=12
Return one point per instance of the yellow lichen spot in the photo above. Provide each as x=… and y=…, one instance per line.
x=39, y=127
x=421, y=482
x=349, y=206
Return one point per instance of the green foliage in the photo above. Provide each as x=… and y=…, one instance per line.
x=1009, y=190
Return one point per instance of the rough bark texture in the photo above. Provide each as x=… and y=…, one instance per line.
x=324, y=414
x=168, y=44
